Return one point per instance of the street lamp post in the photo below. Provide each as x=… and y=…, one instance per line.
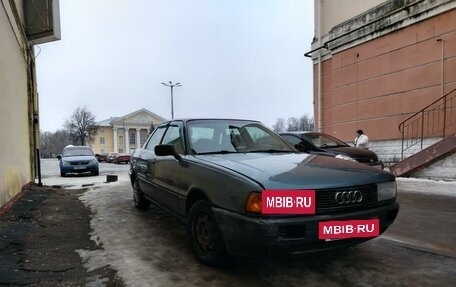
x=171, y=85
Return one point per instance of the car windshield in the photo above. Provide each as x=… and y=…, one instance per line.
x=77, y=152
x=233, y=136
x=324, y=141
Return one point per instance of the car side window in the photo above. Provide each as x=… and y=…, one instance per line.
x=173, y=136
x=292, y=139
x=155, y=138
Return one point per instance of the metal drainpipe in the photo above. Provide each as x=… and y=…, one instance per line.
x=33, y=97
x=442, y=73
x=442, y=83
x=319, y=82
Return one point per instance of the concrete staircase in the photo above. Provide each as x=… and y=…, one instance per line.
x=445, y=147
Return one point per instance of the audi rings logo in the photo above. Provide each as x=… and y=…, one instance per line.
x=347, y=197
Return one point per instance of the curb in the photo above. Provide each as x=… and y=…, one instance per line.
x=9, y=204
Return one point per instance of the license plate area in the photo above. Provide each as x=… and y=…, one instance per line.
x=343, y=229
x=79, y=167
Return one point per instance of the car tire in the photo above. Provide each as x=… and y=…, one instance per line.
x=62, y=174
x=139, y=200
x=205, y=236
x=96, y=172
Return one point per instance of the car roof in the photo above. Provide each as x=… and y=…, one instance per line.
x=210, y=119
x=76, y=147
x=299, y=132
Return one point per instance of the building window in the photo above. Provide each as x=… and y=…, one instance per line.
x=132, y=138
x=121, y=140
x=120, y=150
x=143, y=136
x=102, y=150
x=102, y=140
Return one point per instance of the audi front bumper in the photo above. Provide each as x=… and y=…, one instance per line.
x=291, y=235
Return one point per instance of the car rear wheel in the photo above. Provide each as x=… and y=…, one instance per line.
x=205, y=236
x=139, y=199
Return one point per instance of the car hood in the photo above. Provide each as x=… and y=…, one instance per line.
x=353, y=152
x=298, y=170
x=78, y=158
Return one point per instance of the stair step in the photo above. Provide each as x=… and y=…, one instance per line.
x=445, y=147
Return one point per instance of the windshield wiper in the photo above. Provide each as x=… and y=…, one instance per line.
x=217, y=152
x=273, y=151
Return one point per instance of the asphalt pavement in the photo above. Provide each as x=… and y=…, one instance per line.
x=86, y=232
x=428, y=207
x=427, y=216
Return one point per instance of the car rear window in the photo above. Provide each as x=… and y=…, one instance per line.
x=77, y=152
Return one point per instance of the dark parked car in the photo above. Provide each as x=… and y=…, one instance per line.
x=101, y=157
x=111, y=157
x=122, y=157
x=77, y=159
x=241, y=189
x=324, y=144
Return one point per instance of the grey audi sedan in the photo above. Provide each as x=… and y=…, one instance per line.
x=243, y=190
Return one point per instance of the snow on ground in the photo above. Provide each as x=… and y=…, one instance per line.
x=426, y=186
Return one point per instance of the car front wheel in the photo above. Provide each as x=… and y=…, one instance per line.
x=205, y=236
x=139, y=199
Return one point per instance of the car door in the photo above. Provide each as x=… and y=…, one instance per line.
x=144, y=163
x=166, y=174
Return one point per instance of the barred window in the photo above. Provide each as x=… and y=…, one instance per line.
x=143, y=136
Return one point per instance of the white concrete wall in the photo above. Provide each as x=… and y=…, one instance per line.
x=390, y=152
x=334, y=12
x=444, y=169
x=15, y=160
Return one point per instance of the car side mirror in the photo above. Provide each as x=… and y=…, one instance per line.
x=166, y=149
x=301, y=147
x=59, y=157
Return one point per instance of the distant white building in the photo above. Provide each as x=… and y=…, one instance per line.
x=124, y=134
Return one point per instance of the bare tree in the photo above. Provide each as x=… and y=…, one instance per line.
x=279, y=126
x=293, y=124
x=152, y=127
x=52, y=144
x=80, y=126
x=44, y=144
x=304, y=123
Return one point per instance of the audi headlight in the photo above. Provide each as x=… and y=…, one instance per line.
x=386, y=190
x=344, y=157
x=93, y=161
x=65, y=163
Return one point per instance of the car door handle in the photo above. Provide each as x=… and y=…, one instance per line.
x=143, y=168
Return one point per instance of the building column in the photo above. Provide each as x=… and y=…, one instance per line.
x=116, y=138
x=127, y=141
x=138, y=138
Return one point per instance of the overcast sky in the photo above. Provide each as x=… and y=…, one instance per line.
x=234, y=58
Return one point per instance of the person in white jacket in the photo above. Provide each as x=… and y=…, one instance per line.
x=361, y=139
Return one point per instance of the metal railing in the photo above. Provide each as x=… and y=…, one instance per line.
x=435, y=120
